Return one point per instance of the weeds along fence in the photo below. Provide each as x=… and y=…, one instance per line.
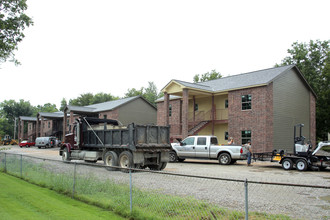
x=146, y=194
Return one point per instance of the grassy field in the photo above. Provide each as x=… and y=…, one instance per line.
x=22, y=200
x=105, y=194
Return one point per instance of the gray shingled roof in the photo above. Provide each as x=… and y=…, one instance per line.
x=52, y=114
x=105, y=106
x=250, y=79
x=255, y=78
x=244, y=80
x=28, y=118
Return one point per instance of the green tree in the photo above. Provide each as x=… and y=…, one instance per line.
x=207, y=76
x=9, y=110
x=150, y=93
x=48, y=107
x=312, y=59
x=63, y=104
x=134, y=92
x=90, y=99
x=13, y=21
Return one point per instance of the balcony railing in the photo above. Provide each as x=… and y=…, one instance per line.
x=219, y=114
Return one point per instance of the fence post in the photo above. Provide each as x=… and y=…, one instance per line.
x=5, y=163
x=74, y=179
x=21, y=167
x=130, y=190
x=246, y=200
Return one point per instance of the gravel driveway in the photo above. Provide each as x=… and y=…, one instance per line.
x=299, y=202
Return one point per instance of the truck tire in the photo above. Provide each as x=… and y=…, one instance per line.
x=301, y=165
x=224, y=159
x=160, y=166
x=66, y=156
x=126, y=161
x=110, y=159
x=173, y=157
x=287, y=164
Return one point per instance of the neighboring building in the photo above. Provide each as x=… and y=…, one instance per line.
x=261, y=106
x=128, y=110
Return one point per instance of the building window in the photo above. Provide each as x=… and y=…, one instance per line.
x=246, y=136
x=226, y=103
x=226, y=135
x=49, y=124
x=67, y=122
x=170, y=110
x=196, y=107
x=105, y=116
x=246, y=102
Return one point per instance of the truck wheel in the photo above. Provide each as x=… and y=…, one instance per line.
x=287, y=164
x=160, y=166
x=173, y=157
x=110, y=159
x=224, y=159
x=126, y=161
x=66, y=155
x=301, y=165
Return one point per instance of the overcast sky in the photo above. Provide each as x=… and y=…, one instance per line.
x=80, y=46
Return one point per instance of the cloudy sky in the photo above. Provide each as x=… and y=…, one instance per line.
x=81, y=46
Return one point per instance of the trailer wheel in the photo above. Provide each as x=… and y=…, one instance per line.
x=173, y=157
x=287, y=164
x=66, y=155
x=126, y=161
x=301, y=165
x=224, y=159
x=110, y=159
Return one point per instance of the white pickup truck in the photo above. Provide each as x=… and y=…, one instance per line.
x=206, y=147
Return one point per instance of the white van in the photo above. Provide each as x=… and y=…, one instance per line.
x=45, y=142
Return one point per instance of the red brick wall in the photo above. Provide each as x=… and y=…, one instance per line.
x=312, y=119
x=174, y=120
x=258, y=119
x=110, y=114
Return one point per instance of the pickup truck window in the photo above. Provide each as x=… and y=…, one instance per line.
x=189, y=141
x=201, y=141
x=214, y=141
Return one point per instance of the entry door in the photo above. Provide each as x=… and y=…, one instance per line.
x=202, y=149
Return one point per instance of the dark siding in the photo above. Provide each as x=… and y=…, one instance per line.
x=138, y=112
x=291, y=106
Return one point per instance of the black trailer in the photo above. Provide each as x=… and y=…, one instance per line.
x=303, y=156
x=134, y=146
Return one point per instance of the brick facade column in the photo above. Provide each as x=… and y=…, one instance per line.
x=166, y=108
x=71, y=121
x=185, y=102
x=37, y=127
x=42, y=126
x=64, y=125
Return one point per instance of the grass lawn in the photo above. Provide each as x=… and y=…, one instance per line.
x=22, y=200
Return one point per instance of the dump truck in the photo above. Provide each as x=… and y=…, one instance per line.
x=303, y=157
x=132, y=146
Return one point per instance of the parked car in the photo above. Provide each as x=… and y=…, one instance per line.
x=206, y=147
x=26, y=143
x=45, y=142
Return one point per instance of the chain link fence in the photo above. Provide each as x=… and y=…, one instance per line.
x=146, y=194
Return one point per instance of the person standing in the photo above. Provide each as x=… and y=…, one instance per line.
x=249, y=153
x=231, y=141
